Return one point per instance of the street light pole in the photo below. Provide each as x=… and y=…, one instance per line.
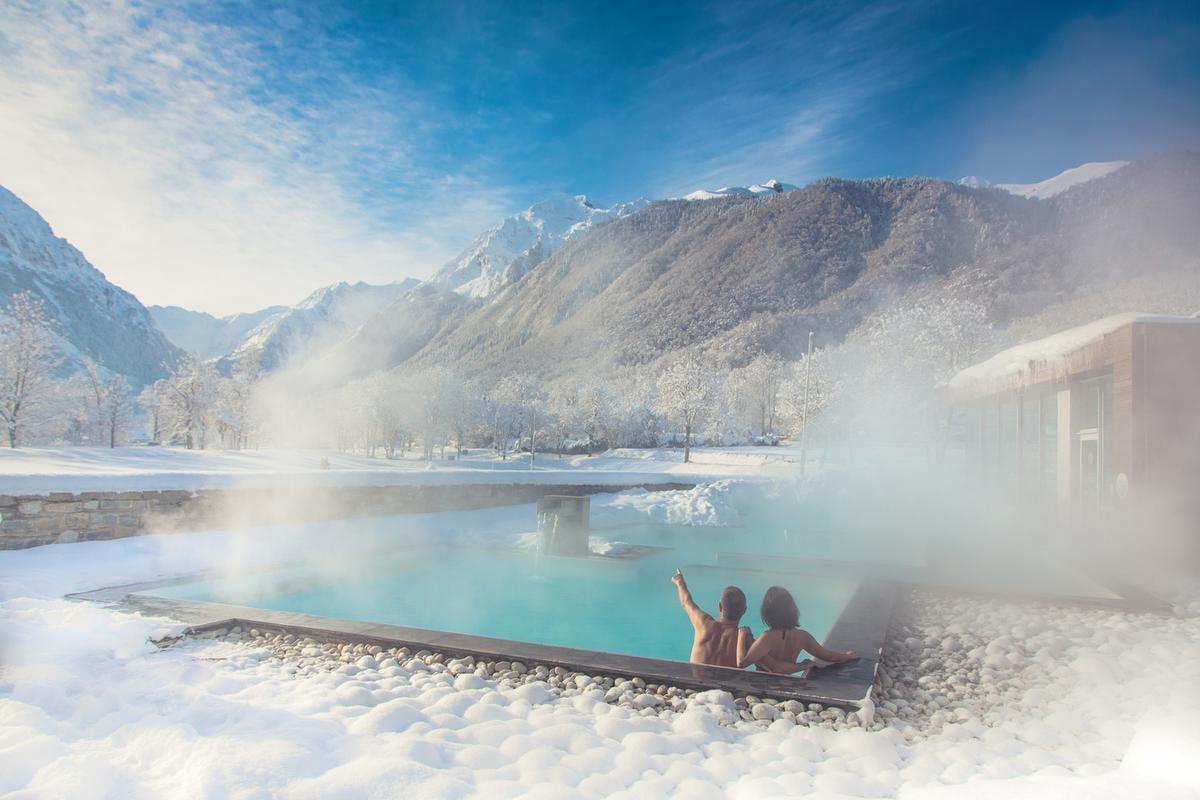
x=804, y=412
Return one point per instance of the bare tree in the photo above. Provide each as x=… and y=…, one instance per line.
x=191, y=392
x=238, y=413
x=595, y=411
x=153, y=398
x=765, y=375
x=566, y=413
x=27, y=363
x=685, y=393
x=117, y=408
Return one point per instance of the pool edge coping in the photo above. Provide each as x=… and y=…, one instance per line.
x=861, y=626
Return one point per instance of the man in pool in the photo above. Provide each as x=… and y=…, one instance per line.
x=716, y=639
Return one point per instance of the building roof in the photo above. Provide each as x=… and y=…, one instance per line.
x=1048, y=357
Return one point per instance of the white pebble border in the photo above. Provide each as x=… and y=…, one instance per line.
x=948, y=660
x=305, y=656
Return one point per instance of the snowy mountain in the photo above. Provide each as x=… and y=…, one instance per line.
x=321, y=320
x=763, y=189
x=1051, y=186
x=94, y=318
x=506, y=252
x=739, y=279
x=204, y=335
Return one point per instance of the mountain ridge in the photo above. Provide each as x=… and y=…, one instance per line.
x=751, y=274
x=92, y=317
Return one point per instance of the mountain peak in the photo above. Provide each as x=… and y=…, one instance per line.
x=506, y=252
x=771, y=186
x=1063, y=180
x=1051, y=186
x=92, y=317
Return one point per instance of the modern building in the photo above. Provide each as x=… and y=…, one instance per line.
x=1092, y=420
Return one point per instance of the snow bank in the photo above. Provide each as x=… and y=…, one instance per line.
x=710, y=504
x=83, y=469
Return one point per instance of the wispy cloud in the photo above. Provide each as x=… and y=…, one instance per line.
x=173, y=151
x=777, y=91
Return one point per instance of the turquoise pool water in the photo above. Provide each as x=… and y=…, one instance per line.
x=617, y=605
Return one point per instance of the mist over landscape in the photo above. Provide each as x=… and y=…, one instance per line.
x=724, y=400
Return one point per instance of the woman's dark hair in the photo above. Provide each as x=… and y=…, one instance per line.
x=779, y=612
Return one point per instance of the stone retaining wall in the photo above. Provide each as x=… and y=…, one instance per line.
x=29, y=521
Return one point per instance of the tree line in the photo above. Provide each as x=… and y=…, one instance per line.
x=885, y=376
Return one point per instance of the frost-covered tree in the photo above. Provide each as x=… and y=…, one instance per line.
x=462, y=410
x=384, y=402
x=497, y=414
x=27, y=363
x=527, y=411
x=764, y=378
x=435, y=390
x=191, y=396
x=238, y=413
x=595, y=414
x=686, y=390
x=153, y=400
x=565, y=415
x=106, y=404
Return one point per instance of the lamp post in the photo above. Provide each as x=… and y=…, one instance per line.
x=804, y=411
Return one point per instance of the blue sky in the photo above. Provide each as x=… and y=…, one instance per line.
x=229, y=156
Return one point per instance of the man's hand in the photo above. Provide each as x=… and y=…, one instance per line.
x=677, y=578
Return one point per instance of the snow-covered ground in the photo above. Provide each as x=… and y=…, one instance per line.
x=979, y=698
x=982, y=699
x=58, y=469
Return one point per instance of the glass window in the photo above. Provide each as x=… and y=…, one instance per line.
x=1008, y=438
x=1030, y=438
x=1087, y=406
x=987, y=435
x=1049, y=444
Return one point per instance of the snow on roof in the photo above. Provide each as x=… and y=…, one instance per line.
x=1017, y=363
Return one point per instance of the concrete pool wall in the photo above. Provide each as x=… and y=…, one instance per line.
x=63, y=517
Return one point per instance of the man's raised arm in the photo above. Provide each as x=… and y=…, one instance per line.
x=694, y=612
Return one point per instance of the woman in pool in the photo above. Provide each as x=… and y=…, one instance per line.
x=777, y=649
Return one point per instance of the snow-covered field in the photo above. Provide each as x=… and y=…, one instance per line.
x=978, y=698
x=57, y=469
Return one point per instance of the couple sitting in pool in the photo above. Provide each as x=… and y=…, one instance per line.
x=721, y=642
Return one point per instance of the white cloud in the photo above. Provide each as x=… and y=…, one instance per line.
x=153, y=141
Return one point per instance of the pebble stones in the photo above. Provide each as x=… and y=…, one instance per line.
x=302, y=655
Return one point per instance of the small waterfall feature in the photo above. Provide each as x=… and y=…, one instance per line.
x=563, y=525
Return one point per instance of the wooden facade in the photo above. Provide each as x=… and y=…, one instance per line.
x=1098, y=426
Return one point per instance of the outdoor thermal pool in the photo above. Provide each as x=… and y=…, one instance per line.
x=818, y=545
x=619, y=604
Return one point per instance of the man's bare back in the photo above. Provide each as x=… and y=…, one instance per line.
x=716, y=639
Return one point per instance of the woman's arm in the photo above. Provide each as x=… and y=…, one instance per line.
x=786, y=667
x=744, y=640
x=811, y=646
x=758, y=652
